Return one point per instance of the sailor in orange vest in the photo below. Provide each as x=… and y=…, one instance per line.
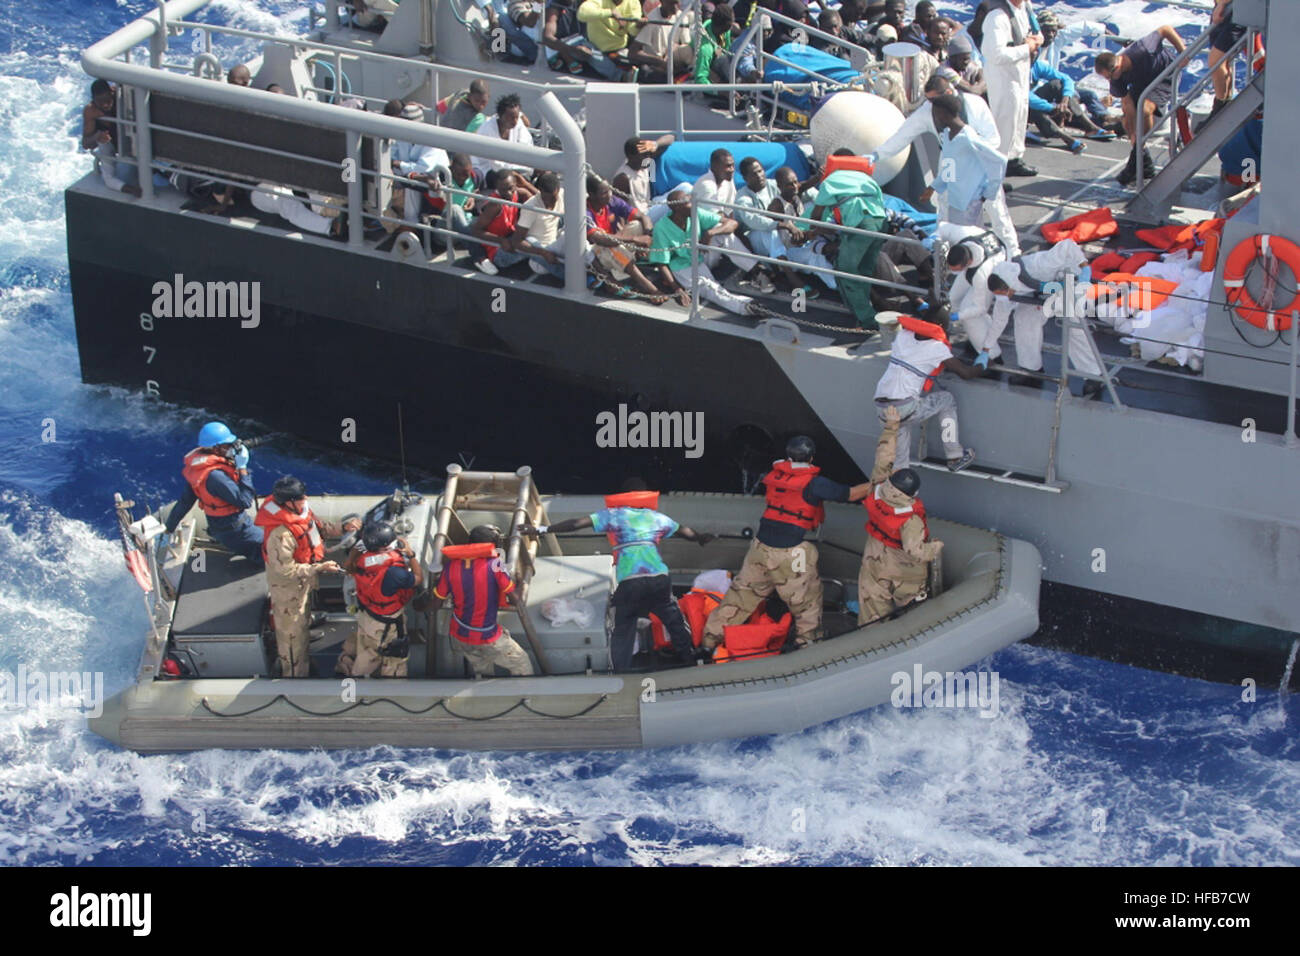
x=779, y=559
x=387, y=577
x=472, y=576
x=635, y=529
x=216, y=476
x=898, y=552
x=293, y=550
x=920, y=353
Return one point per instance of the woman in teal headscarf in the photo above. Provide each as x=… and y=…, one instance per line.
x=855, y=201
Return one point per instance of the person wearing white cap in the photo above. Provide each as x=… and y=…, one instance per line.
x=413, y=161
x=1013, y=285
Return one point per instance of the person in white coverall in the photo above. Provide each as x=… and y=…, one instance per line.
x=979, y=118
x=971, y=260
x=1006, y=69
x=1010, y=286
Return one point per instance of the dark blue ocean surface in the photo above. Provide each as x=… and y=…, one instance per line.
x=1087, y=762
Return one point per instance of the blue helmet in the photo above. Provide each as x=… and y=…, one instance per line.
x=215, y=433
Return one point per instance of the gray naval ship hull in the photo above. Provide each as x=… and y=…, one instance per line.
x=1167, y=540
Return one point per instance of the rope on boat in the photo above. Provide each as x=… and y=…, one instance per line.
x=368, y=702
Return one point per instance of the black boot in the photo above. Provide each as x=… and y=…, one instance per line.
x=1129, y=174
x=1148, y=167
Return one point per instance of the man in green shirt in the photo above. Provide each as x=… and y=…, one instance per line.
x=670, y=249
x=713, y=56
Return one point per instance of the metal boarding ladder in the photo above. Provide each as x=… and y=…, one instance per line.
x=1050, y=481
x=1152, y=203
x=497, y=491
x=1172, y=75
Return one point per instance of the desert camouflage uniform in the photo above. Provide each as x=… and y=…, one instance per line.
x=290, y=585
x=769, y=569
x=364, y=650
x=892, y=577
x=504, y=651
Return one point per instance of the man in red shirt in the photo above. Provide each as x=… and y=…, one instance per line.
x=476, y=584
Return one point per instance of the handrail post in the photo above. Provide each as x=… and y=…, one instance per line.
x=444, y=517
x=693, y=237
x=143, y=145
x=575, y=191
x=1291, y=438
x=158, y=42
x=356, y=229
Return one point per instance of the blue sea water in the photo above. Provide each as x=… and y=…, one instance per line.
x=1088, y=763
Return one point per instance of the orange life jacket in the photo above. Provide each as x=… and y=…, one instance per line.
x=785, y=502
x=1145, y=292
x=926, y=330
x=633, y=499
x=370, y=571
x=763, y=638
x=198, y=464
x=308, y=546
x=886, y=525
x=468, y=552
x=630, y=499
x=696, y=606
x=1085, y=227
x=858, y=164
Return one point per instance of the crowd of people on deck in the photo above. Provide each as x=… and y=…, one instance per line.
x=765, y=227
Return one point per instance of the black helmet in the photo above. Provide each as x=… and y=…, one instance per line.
x=288, y=488
x=485, y=534
x=800, y=448
x=906, y=480
x=378, y=535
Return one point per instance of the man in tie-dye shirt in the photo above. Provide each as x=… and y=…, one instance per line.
x=644, y=586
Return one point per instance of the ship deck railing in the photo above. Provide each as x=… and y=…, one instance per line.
x=111, y=59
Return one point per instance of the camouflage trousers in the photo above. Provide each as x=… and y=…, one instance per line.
x=790, y=572
x=888, y=580
x=291, y=611
x=504, y=651
x=361, y=655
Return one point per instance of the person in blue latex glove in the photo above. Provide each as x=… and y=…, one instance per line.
x=216, y=476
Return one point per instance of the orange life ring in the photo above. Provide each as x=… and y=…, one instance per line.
x=1234, y=280
x=1257, y=55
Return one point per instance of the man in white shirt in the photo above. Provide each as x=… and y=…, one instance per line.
x=508, y=124
x=919, y=355
x=1008, y=49
x=537, y=233
x=979, y=119
x=649, y=48
x=412, y=160
x=719, y=185
x=639, y=170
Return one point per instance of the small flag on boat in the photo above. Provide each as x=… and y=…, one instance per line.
x=136, y=560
